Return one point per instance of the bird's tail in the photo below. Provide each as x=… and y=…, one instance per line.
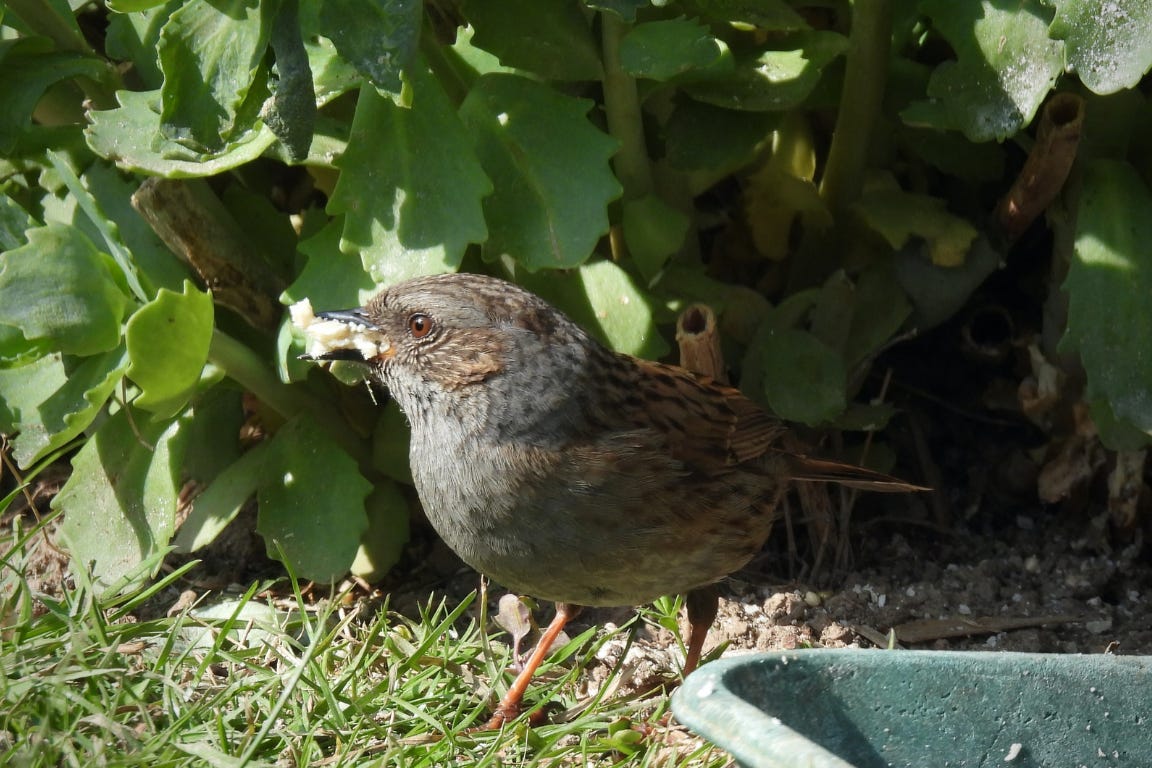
x=806, y=469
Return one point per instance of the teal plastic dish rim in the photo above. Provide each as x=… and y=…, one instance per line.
x=707, y=704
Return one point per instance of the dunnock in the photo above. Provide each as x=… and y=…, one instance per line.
x=562, y=469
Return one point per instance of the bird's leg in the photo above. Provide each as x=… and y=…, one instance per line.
x=509, y=707
x=702, y=605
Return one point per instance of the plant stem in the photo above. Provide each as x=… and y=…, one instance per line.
x=622, y=107
x=860, y=102
x=243, y=366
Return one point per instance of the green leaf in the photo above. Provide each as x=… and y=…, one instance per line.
x=120, y=502
x=30, y=68
x=214, y=432
x=831, y=316
x=52, y=400
x=129, y=6
x=550, y=168
x=291, y=111
x=130, y=136
x=653, y=231
x=135, y=37
x=774, y=80
x=387, y=532
x=625, y=9
x=803, y=379
x=168, y=342
x=111, y=193
x=219, y=503
x=480, y=61
x=58, y=289
x=408, y=218
x=1108, y=285
x=1005, y=65
x=773, y=15
x=14, y=222
x=604, y=299
x=379, y=38
x=1107, y=41
x=550, y=38
x=664, y=50
x=953, y=154
x=880, y=308
x=105, y=229
x=391, y=440
x=311, y=499
x=210, y=54
x=331, y=278
x=897, y=216
x=701, y=137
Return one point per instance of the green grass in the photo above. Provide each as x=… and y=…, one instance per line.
x=84, y=683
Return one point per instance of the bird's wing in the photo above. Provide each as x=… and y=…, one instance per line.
x=712, y=427
x=708, y=425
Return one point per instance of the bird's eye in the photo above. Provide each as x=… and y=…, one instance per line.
x=419, y=325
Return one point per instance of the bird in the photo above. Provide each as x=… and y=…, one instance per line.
x=562, y=469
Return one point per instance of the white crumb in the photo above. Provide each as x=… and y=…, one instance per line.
x=326, y=336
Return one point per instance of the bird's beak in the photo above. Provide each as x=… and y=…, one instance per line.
x=358, y=316
x=344, y=334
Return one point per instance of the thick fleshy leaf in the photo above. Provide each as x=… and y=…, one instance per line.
x=604, y=299
x=773, y=15
x=625, y=9
x=391, y=440
x=667, y=49
x=214, y=433
x=879, y=309
x=311, y=499
x=331, y=278
x=1108, y=41
x=775, y=80
x=130, y=136
x=898, y=216
x=291, y=110
x=135, y=36
x=14, y=222
x=128, y=6
x=653, y=231
x=701, y=137
x=30, y=67
x=52, y=400
x=1005, y=65
x=953, y=154
x=550, y=168
x=219, y=503
x=803, y=379
x=550, y=38
x=379, y=38
x=168, y=342
x=410, y=185
x=111, y=194
x=1108, y=286
x=387, y=532
x=59, y=290
x=210, y=54
x=120, y=502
